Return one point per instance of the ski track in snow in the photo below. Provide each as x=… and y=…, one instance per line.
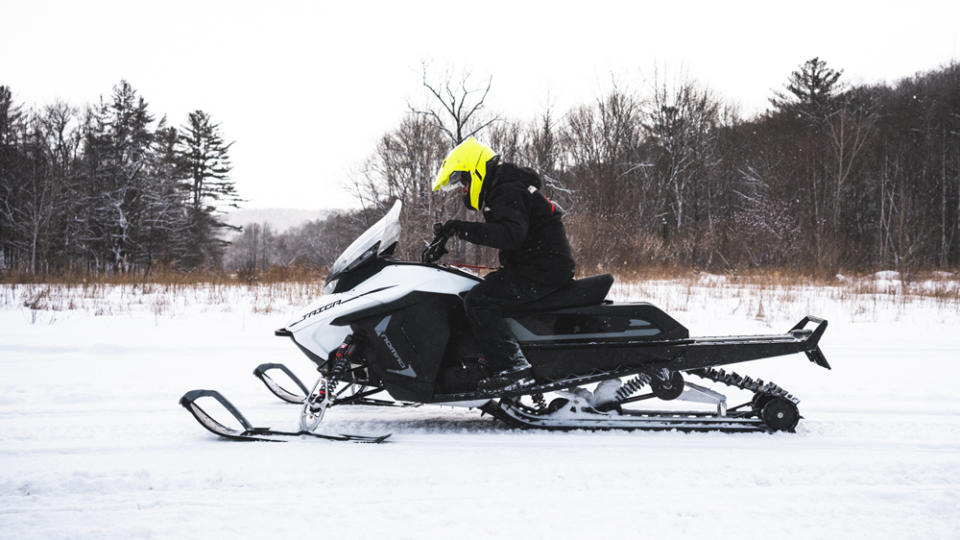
x=93, y=443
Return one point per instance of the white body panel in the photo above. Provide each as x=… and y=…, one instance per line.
x=313, y=330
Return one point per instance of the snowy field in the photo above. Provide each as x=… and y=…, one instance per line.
x=93, y=443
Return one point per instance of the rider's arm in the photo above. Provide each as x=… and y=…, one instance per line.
x=507, y=220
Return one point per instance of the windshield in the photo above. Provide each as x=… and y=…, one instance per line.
x=371, y=243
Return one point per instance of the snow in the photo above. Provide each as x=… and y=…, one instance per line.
x=94, y=445
x=887, y=274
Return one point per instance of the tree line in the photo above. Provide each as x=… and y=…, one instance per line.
x=831, y=177
x=107, y=188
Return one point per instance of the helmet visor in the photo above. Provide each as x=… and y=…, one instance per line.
x=457, y=180
x=459, y=177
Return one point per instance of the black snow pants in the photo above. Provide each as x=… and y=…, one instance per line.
x=485, y=304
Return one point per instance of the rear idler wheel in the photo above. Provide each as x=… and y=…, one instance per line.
x=780, y=414
x=667, y=389
x=759, y=400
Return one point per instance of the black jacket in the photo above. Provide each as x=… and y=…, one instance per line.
x=523, y=224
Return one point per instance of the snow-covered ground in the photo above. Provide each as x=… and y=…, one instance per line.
x=94, y=445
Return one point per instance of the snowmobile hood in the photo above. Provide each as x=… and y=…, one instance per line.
x=317, y=329
x=312, y=332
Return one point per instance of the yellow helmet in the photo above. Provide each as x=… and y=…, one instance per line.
x=469, y=158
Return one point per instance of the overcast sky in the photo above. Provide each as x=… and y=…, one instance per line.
x=306, y=89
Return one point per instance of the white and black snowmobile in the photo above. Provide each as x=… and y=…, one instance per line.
x=399, y=327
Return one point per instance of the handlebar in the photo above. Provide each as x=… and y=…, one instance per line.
x=437, y=248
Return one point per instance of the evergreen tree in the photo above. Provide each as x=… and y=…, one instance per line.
x=117, y=151
x=9, y=116
x=205, y=159
x=810, y=90
x=165, y=223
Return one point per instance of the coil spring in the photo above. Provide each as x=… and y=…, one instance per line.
x=340, y=364
x=632, y=386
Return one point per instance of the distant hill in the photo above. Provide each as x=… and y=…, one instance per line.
x=280, y=219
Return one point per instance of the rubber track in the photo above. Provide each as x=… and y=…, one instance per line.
x=744, y=383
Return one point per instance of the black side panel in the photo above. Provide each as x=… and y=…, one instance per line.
x=404, y=342
x=551, y=363
x=582, y=340
x=605, y=322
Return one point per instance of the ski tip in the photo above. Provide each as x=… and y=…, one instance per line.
x=368, y=439
x=365, y=438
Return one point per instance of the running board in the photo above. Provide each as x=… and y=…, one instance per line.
x=249, y=432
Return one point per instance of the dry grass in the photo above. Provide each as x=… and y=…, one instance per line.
x=169, y=295
x=772, y=296
x=940, y=285
x=161, y=292
x=166, y=276
x=765, y=295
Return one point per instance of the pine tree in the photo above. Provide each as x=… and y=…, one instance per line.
x=810, y=90
x=164, y=224
x=205, y=159
x=9, y=160
x=117, y=152
x=9, y=114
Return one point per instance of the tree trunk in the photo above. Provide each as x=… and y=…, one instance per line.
x=957, y=227
x=33, y=245
x=944, y=248
x=883, y=206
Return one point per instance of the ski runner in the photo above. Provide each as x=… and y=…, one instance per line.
x=535, y=254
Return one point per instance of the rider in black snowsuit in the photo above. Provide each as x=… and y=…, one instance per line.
x=527, y=229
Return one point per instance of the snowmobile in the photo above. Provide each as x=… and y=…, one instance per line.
x=384, y=325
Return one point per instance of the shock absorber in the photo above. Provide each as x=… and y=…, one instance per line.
x=325, y=388
x=341, y=360
x=632, y=386
x=340, y=364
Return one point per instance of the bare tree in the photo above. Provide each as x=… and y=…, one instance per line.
x=458, y=114
x=457, y=111
x=681, y=125
x=403, y=167
x=850, y=128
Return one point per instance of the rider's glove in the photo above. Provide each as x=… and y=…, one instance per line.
x=452, y=227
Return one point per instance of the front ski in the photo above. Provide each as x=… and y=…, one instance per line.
x=260, y=372
x=359, y=397
x=251, y=433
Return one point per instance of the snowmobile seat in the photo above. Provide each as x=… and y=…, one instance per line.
x=588, y=291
